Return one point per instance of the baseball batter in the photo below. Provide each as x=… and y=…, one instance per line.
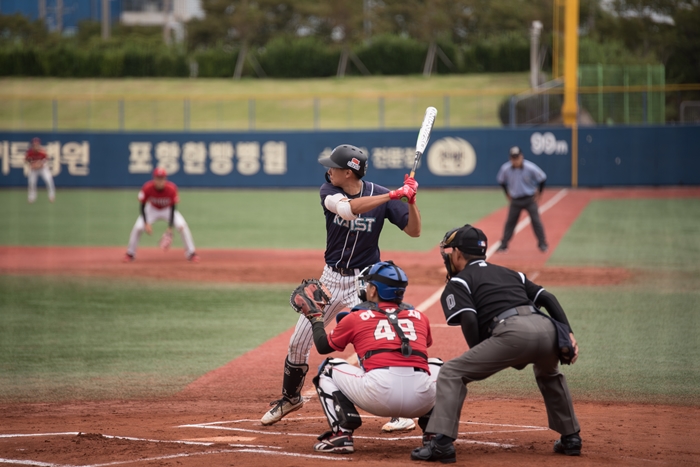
x=355, y=211
x=391, y=338
x=37, y=160
x=159, y=200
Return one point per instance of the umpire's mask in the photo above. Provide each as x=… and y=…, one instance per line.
x=466, y=239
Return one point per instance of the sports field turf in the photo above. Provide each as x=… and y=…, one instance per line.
x=93, y=338
x=225, y=104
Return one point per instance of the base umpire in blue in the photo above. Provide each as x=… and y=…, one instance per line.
x=523, y=182
x=495, y=306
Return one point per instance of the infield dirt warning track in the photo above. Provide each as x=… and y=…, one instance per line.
x=215, y=420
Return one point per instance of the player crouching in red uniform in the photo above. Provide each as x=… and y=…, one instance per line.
x=159, y=200
x=395, y=379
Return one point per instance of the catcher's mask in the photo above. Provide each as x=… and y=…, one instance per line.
x=466, y=239
x=348, y=157
x=389, y=279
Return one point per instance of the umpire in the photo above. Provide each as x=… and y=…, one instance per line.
x=523, y=182
x=494, y=307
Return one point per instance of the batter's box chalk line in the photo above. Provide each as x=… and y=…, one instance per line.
x=501, y=428
x=240, y=448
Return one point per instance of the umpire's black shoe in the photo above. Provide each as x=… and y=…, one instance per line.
x=569, y=445
x=435, y=452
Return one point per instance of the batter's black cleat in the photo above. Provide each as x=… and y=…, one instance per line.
x=543, y=247
x=337, y=443
x=502, y=248
x=432, y=452
x=569, y=445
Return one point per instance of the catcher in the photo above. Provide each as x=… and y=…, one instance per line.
x=396, y=378
x=36, y=158
x=159, y=200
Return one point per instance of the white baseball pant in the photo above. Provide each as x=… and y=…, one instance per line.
x=343, y=295
x=154, y=214
x=48, y=179
x=387, y=392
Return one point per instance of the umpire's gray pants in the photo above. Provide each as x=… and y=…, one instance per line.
x=516, y=206
x=515, y=342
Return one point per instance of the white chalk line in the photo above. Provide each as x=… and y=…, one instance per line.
x=245, y=448
x=21, y=435
x=249, y=420
x=511, y=429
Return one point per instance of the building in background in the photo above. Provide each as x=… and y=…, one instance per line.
x=171, y=14
x=64, y=15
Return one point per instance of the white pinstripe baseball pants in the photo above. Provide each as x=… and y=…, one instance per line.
x=343, y=295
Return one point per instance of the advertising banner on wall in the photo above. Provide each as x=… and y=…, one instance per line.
x=279, y=159
x=454, y=158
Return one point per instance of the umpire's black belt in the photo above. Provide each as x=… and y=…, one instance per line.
x=525, y=310
x=345, y=271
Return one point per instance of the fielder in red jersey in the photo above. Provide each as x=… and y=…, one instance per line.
x=159, y=198
x=37, y=160
x=395, y=379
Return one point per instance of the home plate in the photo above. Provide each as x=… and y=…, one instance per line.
x=224, y=439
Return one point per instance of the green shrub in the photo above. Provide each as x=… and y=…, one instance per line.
x=393, y=55
x=216, y=63
x=305, y=57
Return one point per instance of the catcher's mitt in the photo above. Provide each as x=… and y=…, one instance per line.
x=166, y=240
x=310, y=298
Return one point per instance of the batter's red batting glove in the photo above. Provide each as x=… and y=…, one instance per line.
x=403, y=192
x=411, y=182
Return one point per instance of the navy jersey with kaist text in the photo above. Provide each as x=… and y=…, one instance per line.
x=355, y=244
x=487, y=290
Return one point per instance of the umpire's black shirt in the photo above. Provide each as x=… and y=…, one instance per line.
x=486, y=290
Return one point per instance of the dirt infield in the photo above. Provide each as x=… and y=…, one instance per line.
x=215, y=420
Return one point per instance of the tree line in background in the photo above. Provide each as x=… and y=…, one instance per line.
x=308, y=38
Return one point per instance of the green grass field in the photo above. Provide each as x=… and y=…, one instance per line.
x=264, y=104
x=93, y=338
x=221, y=218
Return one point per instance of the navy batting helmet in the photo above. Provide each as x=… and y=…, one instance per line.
x=389, y=279
x=348, y=157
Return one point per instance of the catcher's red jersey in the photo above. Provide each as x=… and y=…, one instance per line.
x=371, y=330
x=159, y=198
x=35, y=155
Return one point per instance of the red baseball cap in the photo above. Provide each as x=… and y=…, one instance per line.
x=159, y=172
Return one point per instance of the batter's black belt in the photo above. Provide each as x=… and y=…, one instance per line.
x=346, y=271
x=525, y=310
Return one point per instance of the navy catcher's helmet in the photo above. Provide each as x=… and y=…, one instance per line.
x=348, y=157
x=389, y=279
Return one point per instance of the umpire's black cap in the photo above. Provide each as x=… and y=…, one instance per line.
x=467, y=239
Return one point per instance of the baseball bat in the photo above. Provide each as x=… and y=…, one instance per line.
x=423, y=137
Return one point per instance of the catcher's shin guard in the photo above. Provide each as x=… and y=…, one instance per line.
x=293, y=381
x=340, y=411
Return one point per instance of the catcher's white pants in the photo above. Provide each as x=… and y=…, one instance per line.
x=154, y=214
x=388, y=392
x=343, y=295
x=48, y=179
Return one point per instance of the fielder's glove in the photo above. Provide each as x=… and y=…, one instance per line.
x=310, y=298
x=166, y=240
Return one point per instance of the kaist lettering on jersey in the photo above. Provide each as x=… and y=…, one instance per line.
x=361, y=224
